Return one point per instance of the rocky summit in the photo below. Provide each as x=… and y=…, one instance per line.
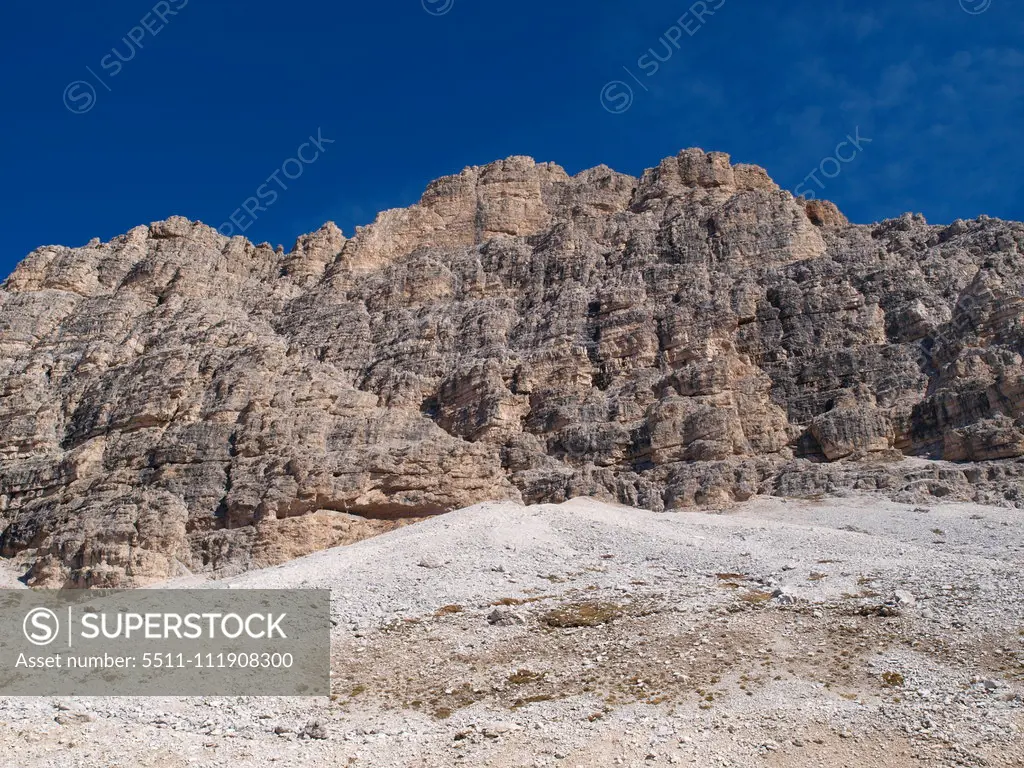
x=175, y=401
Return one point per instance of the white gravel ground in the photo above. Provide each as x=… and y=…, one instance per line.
x=852, y=632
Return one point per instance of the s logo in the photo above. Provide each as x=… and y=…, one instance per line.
x=41, y=626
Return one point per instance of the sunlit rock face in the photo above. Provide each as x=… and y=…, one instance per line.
x=176, y=401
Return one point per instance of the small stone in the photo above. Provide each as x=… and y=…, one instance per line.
x=74, y=718
x=904, y=599
x=782, y=597
x=315, y=730
x=504, y=617
x=497, y=730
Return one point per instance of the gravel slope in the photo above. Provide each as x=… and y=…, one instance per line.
x=852, y=631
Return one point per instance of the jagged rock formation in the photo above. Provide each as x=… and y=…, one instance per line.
x=176, y=399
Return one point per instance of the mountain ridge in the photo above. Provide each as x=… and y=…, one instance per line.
x=175, y=400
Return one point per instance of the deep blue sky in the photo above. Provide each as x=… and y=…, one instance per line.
x=225, y=91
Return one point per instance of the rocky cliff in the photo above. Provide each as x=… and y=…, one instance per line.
x=176, y=400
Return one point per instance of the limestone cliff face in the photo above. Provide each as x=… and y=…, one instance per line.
x=174, y=399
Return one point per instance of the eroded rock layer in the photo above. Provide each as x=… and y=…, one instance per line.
x=176, y=400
